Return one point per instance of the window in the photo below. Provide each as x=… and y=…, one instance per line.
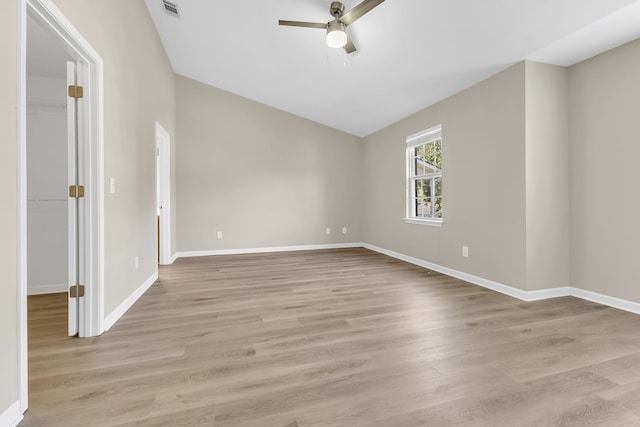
x=424, y=177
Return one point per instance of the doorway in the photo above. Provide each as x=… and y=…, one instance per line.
x=88, y=210
x=47, y=162
x=163, y=193
x=48, y=167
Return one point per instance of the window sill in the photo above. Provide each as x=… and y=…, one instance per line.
x=429, y=222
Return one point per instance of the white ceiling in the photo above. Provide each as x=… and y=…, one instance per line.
x=412, y=53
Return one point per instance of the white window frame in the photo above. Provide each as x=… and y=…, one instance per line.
x=413, y=141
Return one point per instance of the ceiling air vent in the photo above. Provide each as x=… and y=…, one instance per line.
x=171, y=8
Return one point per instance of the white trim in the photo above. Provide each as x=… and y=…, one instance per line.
x=529, y=296
x=614, y=302
x=189, y=254
x=428, y=135
x=431, y=222
x=111, y=320
x=47, y=289
x=12, y=416
x=550, y=293
x=173, y=259
x=485, y=283
x=23, y=351
x=75, y=250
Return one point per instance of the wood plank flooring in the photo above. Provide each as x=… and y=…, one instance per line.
x=333, y=338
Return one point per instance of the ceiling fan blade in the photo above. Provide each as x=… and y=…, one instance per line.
x=303, y=24
x=350, y=47
x=358, y=11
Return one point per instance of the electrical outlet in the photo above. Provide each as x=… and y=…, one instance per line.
x=136, y=262
x=344, y=230
x=328, y=231
x=219, y=234
x=112, y=185
x=465, y=251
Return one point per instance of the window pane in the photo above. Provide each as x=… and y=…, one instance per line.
x=438, y=153
x=417, y=206
x=418, y=160
x=438, y=207
x=430, y=156
x=423, y=188
x=423, y=167
x=427, y=158
x=423, y=208
x=438, y=186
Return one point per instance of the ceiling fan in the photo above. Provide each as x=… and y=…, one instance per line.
x=336, y=30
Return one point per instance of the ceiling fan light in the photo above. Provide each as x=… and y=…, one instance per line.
x=336, y=35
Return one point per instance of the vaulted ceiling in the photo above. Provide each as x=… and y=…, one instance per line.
x=412, y=53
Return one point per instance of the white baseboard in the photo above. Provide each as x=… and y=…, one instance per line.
x=485, y=283
x=46, y=289
x=172, y=259
x=529, y=296
x=267, y=250
x=620, y=304
x=565, y=291
x=11, y=416
x=111, y=319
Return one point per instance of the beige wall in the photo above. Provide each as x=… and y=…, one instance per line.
x=263, y=177
x=8, y=207
x=483, y=182
x=604, y=153
x=547, y=176
x=139, y=89
x=557, y=150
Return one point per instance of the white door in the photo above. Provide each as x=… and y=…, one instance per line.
x=73, y=206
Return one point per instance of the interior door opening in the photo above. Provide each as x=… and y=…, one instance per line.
x=48, y=167
x=63, y=37
x=163, y=193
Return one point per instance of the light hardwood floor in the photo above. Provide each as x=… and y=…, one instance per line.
x=334, y=338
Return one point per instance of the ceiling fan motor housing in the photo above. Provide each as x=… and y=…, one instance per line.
x=336, y=9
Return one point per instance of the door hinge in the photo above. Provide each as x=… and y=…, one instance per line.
x=76, y=191
x=76, y=91
x=76, y=291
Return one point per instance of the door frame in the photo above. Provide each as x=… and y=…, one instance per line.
x=163, y=172
x=91, y=133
